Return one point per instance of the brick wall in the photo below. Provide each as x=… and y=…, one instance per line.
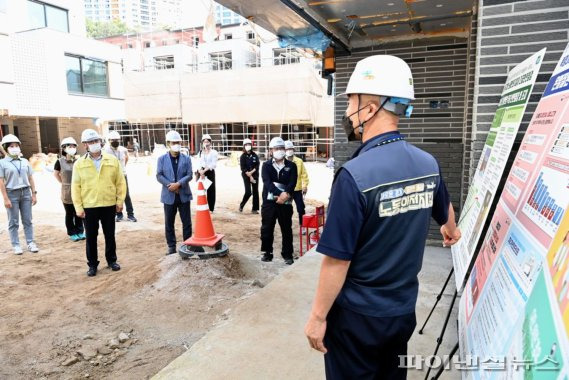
x=29, y=134
x=442, y=70
x=509, y=32
x=73, y=128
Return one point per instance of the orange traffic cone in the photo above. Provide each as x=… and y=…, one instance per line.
x=204, y=234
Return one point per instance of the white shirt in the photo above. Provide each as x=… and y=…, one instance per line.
x=208, y=160
x=120, y=153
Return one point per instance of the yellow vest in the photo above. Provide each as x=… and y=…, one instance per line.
x=91, y=188
x=302, y=181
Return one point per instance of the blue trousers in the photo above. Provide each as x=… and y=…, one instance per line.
x=364, y=347
x=21, y=200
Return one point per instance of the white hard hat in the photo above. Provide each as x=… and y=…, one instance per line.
x=8, y=139
x=68, y=140
x=383, y=75
x=289, y=144
x=173, y=136
x=276, y=141
x=113, y=135
x=247, y=141
x=206, y=137
x=89, y=135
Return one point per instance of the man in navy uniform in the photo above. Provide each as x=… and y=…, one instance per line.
x=379, y=213
x=279, y=180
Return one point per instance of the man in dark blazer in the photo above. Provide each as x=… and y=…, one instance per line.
x=174, y=172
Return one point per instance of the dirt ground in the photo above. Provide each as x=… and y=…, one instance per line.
x=56, y=323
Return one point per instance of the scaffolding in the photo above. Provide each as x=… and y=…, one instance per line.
x=311, y=143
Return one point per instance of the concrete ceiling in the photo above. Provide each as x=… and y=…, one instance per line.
x=359, y=23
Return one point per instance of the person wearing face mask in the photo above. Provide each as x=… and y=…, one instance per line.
x=279, y=180
x=249, y=162
x=301, y=183
x=174, y=172
x=98, y=190
x=115, y=148
x=378, y=219
x=19, y=193
x=207, y=163
x=63, y=170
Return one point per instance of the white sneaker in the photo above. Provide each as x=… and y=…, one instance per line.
x=32, y=247
x=18, y=250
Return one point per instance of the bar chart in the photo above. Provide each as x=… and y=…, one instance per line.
x=547, y=201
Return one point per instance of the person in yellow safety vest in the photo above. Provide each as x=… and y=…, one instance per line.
x=301, y=183
x=98, y=190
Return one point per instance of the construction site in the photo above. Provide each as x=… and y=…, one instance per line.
x=240, y=70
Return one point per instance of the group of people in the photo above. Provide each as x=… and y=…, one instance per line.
x=94, y=188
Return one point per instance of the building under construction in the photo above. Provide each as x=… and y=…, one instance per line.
x=242, y=85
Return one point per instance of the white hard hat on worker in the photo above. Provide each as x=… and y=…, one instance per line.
x=385, y=76
x=174, y=141
x=277, y=146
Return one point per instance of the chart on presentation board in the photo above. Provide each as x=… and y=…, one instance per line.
x=497, y=148
x=515, y=304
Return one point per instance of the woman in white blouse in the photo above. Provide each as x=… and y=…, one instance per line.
x=207, y=163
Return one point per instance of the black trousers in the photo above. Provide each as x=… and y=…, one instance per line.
x=73, y=223
x=299, y=201
x=364, y=347
x=105, y=215
x=272, y=212
x=250, y=189
x=210, y=174
x=127, y=202
x=170, y=212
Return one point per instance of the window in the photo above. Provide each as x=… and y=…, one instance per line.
x=47, y=16
x=86, y=76
x=147, y=44
x=196, y=41
x=285, y=56
x=250, y=35
x=221, y=61
x=130, y=46
x=228, y=36
x=164, y=62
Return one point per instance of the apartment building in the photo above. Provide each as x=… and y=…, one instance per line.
x=54, y=82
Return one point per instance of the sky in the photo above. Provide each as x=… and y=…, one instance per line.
x=197, y=11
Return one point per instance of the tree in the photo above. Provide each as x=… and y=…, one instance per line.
x=101, y=29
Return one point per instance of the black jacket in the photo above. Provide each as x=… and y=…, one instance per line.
x=287, y=176
x=250, y=161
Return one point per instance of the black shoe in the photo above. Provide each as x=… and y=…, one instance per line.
x=171, y=250
x=132, y=218
x=267, y=257
x=254, y=212
x=115, y=266
x=92, y=271
x=119, y=219
x=240, y=208
x=289, y=261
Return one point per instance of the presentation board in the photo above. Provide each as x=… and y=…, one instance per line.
x=490, y=169
x=515, y=304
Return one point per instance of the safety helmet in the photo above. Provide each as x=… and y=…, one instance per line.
x=67, y=141
x=276, y=142
x=289, y=144
x=247, y=141
x=383, y=75
x=8, y=139
x=206, y=137
x=89, y=135
x=173, y=136
x=113, y=135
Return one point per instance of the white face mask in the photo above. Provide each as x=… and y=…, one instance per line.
x=95, y=148
x=71, y=151
x=14, y=150
x=206, y=145
x=290, y=153
x=175, y=147
x=248, y=148
x=279, y=155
